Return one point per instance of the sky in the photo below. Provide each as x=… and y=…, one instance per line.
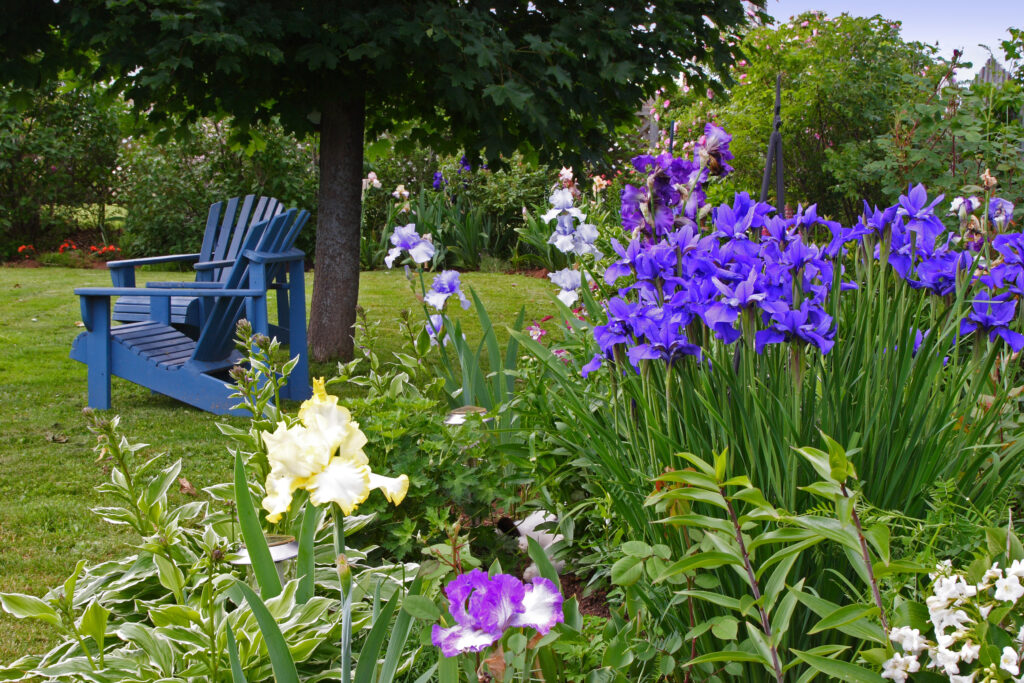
x=953, y=24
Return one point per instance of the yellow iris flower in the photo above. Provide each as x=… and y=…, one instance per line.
x=323, y=455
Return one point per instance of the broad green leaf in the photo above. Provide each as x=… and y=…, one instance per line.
x=305, y=566
x=847, y=614
x=170, y=577
x=878, y=536
x=252, y=534
x=725, y=627
x=727, y=656
x=280, y=657
x=705, y=560
x=627, y=571
x=543, y=562
x=93, y=623
x=818, y=460
x=421, y=607
x=28, y=606
x=839, y=670
x=637, y=549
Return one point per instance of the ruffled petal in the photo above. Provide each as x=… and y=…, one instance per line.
x=495, y=606
x=345, y=481
x=393, y=488
x=279, y=496
x=459, y=639
x=542, y=607
x=436, y=299
x=422, y=252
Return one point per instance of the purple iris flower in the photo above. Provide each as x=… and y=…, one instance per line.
x=445, y=284
x=405, y=238
x=1011, y=246
x=632, y=216
x=485, y=607
x=1000, y=212
x=807, y=323
x=922, y=219
x=879, y=221
x=993, y=314
x=712, y=150
x=592, y=365
x=439, y=180
x=464, y=165
x=435, y=329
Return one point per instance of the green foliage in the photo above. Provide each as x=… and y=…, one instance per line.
x=843, y=79
x=946, y=134
x=58, y=148
x=167, y=188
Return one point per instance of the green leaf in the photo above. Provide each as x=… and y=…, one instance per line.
x=280, y=658
x=540, y=558
x=705, y=560
x=252, y=535
x=838, y=670
x=878, y=536
x=627, y=571
x=94, y=623
x=725, y=627
x=28, y=606
x=847, y=614
x=399, y=636
x=637, y=549
x=727, y=656
x=421, y=607
x=170, y=577
x=236, y=665
x=305, y=566
x=818, y=460
x=371, y=646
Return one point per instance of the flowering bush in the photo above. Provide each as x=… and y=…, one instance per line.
x=976, y=627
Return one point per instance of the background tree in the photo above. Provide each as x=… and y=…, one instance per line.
x=547, y=77
x=844, y=79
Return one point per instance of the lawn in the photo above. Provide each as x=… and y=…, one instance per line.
x=47, y=468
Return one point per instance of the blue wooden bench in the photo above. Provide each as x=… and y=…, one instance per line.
x=227, y=226
x=156, y=355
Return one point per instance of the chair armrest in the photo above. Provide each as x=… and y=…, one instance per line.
x=131, y=263
x=281, y=257
x=185, y=285
x=138, y=291
x=210, y=265
x=122, y=273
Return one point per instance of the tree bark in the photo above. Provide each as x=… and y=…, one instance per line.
x=332, y=315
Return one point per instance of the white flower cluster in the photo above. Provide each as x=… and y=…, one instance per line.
x=956, y=608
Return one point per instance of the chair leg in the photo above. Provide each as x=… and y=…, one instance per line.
x=98, y=352
x=283, y=316
x=298, y=388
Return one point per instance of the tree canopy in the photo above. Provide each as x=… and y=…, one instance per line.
x=549, y=77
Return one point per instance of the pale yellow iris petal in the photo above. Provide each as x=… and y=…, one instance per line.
x=393, y=488
x=296, y=452
x=345, y=481
x=279, y=497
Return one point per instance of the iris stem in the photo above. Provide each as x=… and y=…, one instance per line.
x=346, y=594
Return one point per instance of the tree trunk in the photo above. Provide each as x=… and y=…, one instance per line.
x=332, y=315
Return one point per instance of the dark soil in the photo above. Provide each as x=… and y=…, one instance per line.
x=594, y=603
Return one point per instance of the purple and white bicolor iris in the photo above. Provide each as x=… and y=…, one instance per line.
x=569, y=281
x=567, y=237
x=405, y=238
x=485, y=607
x=446, y=284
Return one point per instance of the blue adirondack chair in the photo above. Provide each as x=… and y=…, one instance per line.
x=155, y=355
x=227, y=226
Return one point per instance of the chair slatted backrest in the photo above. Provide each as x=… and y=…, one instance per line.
x=216, y=339
x=227, y=231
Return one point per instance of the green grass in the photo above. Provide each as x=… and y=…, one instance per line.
x=47, y=469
